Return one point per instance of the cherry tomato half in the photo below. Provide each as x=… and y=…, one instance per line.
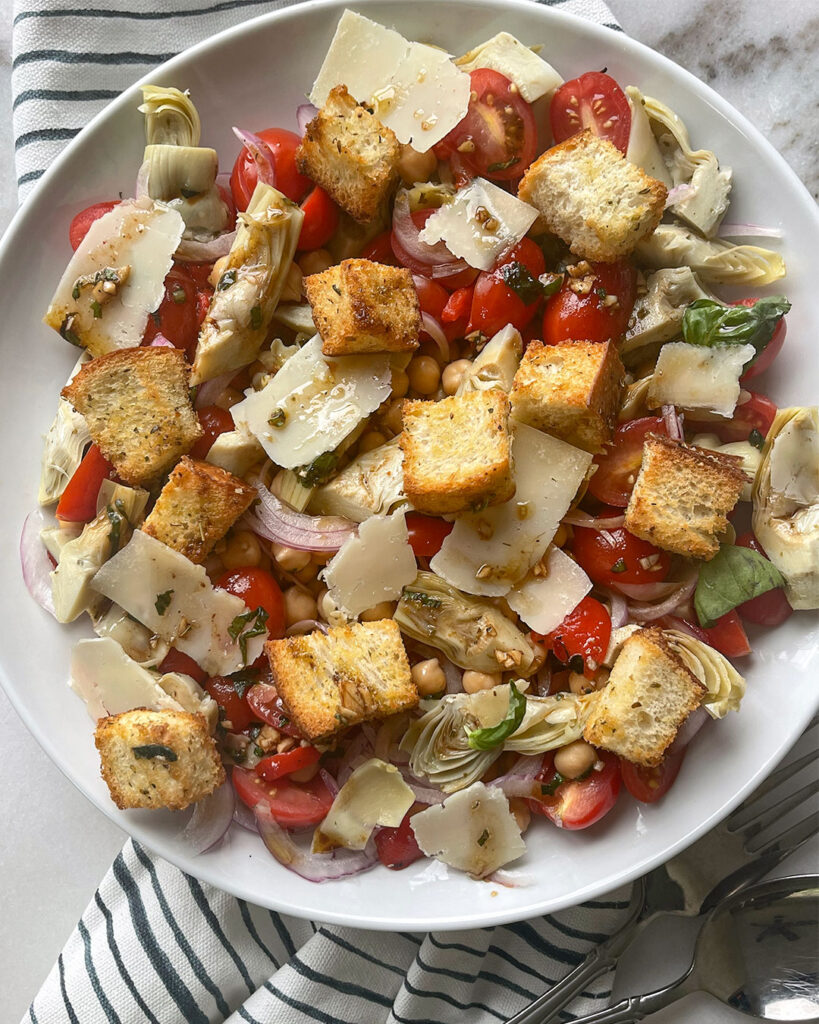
x=461, y=279
x=78, y=502
x=379, y=250
x=397, y=847
x=617, y=468
x=214, y=421
x=649, y=784
x=176, y=661
x=771, y=350
x=178, y=315
x=236, y=709
x=757, y=413
x=426, y=534
x=769, y=609
x=258, y=589
x=320, y=220
x=432, y=297
x=595, y=101
x=278, y=765
x=728, y=636
x=617, y=556
x=266, y=704
x=282, y=145
x=494, y=303
x=572, y=317
x=292, y=804
x=79, y=226
x=585, y=631
x=580, y=802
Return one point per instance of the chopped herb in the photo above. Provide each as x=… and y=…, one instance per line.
x=619, y=565
x=178, y=296
x=96, y=309
x=732, y=577
x=504, y=165
x=188, y=193
x=576, y=664
x=518, y=277
x=256, y=317
x=318, y=471
x=75, y=292
x=151, y=750
x=226, y=280
x=550, y=788
x=254, y=730
x=247, y=625
x=336, y=289
x=708, y=323
x=757, y=439
x=278, y=419
x=67, y=330
x=488, y=739
x=157, y=319
x=485, y=834
x=601, y=293
x=419, y=597
x=551, y=283
x=116, y=517
x=243, y=680
x=163, y=601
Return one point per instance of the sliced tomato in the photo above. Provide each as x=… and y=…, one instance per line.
x=278, y=765
x=728, y=636
x=771, y=350
x=427, y=534
x=585, y=632
x=379, y=250
x=495, y=303
x=79, y=226
x=178, y=315
x=769, y=609
x=78, y=502
x=282, y=146
x=233, y=702
x=214, y=421
x=617, y=556
x=457, y=306
x=649, y=784
x=592, y=316
x=176, y=661
x=258, y=589
x=293, y=805
x=595, y=101
x=432, y=297
x=618, y=467
x=265, y=703
x=397, y=847
x=757, y=413
x=320, y=220
x=580, y=802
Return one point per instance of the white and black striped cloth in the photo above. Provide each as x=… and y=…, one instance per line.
x=155, y=945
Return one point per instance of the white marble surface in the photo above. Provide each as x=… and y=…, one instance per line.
x=55, y=846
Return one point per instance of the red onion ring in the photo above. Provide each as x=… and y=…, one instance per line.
x=575, y=517
x=543, y=680
x=650, y=612
x=519, y=780
x=306, y=626
x=423, y=794
x=358, y=751
x=329, y=781
x=141, y=184
x=191, y=251
x=314, y=867
x=431, y=327
x=679, y=193
x=210, y=820
x=429, y=260
x=511, y=879
x=260, y=152
x=618, y=609
x=684, y=626
x=673, y=423
x=244, y=817
x=36, y=564
x=304, y=115
x=160, y=341
x=273, y=520
x=207, y=393
x=647, y=591
x=749, y=231
x=689, y=729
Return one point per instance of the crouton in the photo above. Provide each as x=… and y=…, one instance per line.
x=197, y=507
x=136, y=402
x=351, y=674
x=649, y=695
x=360, y=306
x=571, y=390
x=351, y=155
x=457, y=452
x=682, y=496
x=158, y=758
x=588, y=194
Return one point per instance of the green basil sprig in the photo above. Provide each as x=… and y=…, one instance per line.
x=525, y=285
x=733, y=576
x=708, y=323
x=487, y=739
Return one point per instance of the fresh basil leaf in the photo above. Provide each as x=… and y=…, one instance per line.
x=243, y=680
x=757, y=439
x=317, y=472
x=517, y=277
x=163, y=601
x=733, y=576
x=247, y=625
x=488, y=739
x=708, y=323
x=550, y=788
x=151, y=750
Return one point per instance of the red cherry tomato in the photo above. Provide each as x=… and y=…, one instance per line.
x=258, y=589
x=585, y=631
x=214, y=421
x=176, y=661
x=265, y=703
x=432, y=297
x=572, y=317
x=426, y=534
x=236, y=709
x=397, y=847
x=282, y=145
x=78, y=502
x=728, y=636
x=580, y=802
x=458, y=280
x=757, y=413
x=457, y=306
x=769, y=609
x=618, y=467
x=379, y=250
x=595, y=101
x=178, y=315
x=771, y=350
x=648, y=784
x=293, y=805
x=320, y=220
x=616, y=556
x=79, y=226
x=278, y=765
x=494, y=303
x=497, y=137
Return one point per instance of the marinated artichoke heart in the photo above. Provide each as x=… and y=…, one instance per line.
x=725, y=686
x=62, y=452
x=438, y=742
x=496, y=365
x=170, y=117
x=472, y=633
x=139, y=643
x=713, y=260
x=372, y=484
x=297, y=316
x=248, y=291
x=658, y=314
x=751, y=457
x=786, y=502
x=184, y=177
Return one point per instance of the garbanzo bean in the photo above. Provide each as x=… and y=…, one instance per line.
x=574, y=759
x=290, y=559
x=298, y=605
x=424, y=375
x=474, y=681
x=453, y=375
x=429, y=677
x=243, y=549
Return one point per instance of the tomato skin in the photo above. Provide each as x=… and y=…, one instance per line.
x=771, y=350
x=728, y=636
x=769, y=609
x=214, y=421
x=432, y=297
x=598, y=551
x=617, y=468
x=276, y=766
x=78, y=502
x=176, y=661
x=177, y=317
x=293, y=805
x=427, y=534
x=397, y=847
x=282, y=145
x=579, y=803
x=266, y=704
x=79, y=226
x=572, y=317
x=494, y=303
x=379, y=250
x=649, y=784
x=320, y=220
x=593, y=100
x=236, y=708
x=258, y=589
x=585, y=631
x=755, y=414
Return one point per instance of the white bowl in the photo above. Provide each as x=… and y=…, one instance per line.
x=256, y=75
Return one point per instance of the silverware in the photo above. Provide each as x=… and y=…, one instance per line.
x=732, y=856
x=756, y=953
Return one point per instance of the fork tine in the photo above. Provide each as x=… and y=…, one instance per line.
x=786, y=842
x=786, y=771
x=754, y=823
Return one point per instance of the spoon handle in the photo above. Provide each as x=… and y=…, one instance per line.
x=635, y=1007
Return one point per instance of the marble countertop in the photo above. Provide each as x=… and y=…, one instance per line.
x=56, y=846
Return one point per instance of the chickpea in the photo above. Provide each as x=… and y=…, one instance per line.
x=474, y=681
x=393, y=417
x=372, y=439
x=520, y=809
x=315, y=262
x=453, y=375
x=428, y=677
x=321, y=557
x=229, y=398
x=308, y=573
x=414, y=166
x=290, y=559
x=424, y=374
x=579, y=684
x=574, y=759
x=325, y=605
x=384, y=610
x=305, y=774
x=400, y=383
x=243, y=549
x=292, y=285
x=298, y=605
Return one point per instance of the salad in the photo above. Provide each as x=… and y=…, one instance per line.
x=415, y=477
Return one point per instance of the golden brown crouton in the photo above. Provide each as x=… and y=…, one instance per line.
x=158, y=758
x=457, y=452
x=361, y=306
x=649, y=695
x=588, y=194
x=351, y=155
x=351, y=674
x=137, y=405
x=197, y=507
x=570, y=390
x=682, y=496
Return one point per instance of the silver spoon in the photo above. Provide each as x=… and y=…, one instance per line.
x=758, y=952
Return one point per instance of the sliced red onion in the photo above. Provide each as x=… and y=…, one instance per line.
x=575, y=517
x=260, y=152
x=430, y=260
x=651, y=611
x=210, y=820
x=244, y=817
x=304, y=115
x=689, y=729
x=679, y=193
x=436, y=332
x=329, y=781
x=278, y=522
x=306, y=626
x=160, y=341
x=618, y=609
x=37, y=566
x=211, y=390
x=673, y=423
x=543, y=680
x=647, y=591
x=357, y=752
x=749, y=231
x=519, y=780
x=314, y=867
x=141, y=186
x=423, y=794
x=511, y=879
x=684, y=626
x=191, y=251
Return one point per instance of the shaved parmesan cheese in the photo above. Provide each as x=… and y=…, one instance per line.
x=413, y=89
x=316, y=401
x=373, y=566
x=235, y=451
x=375, y=794
x=543, y=602
x=507, y=55
x=196, y=618
x=472, y=830
x=643, y=150
x=138, y=234
x=696, y=377
x=487, y=552
x=480, y=224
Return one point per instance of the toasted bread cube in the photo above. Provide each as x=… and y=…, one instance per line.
x=158, y=758
x=351, y=155
x=457, y=452
x=351, y=674
x=649, y=695
x=360, y=306
x=570, y=390
x=197, y=507
x=588, y=194
x=136, y=402
x=682, y=496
